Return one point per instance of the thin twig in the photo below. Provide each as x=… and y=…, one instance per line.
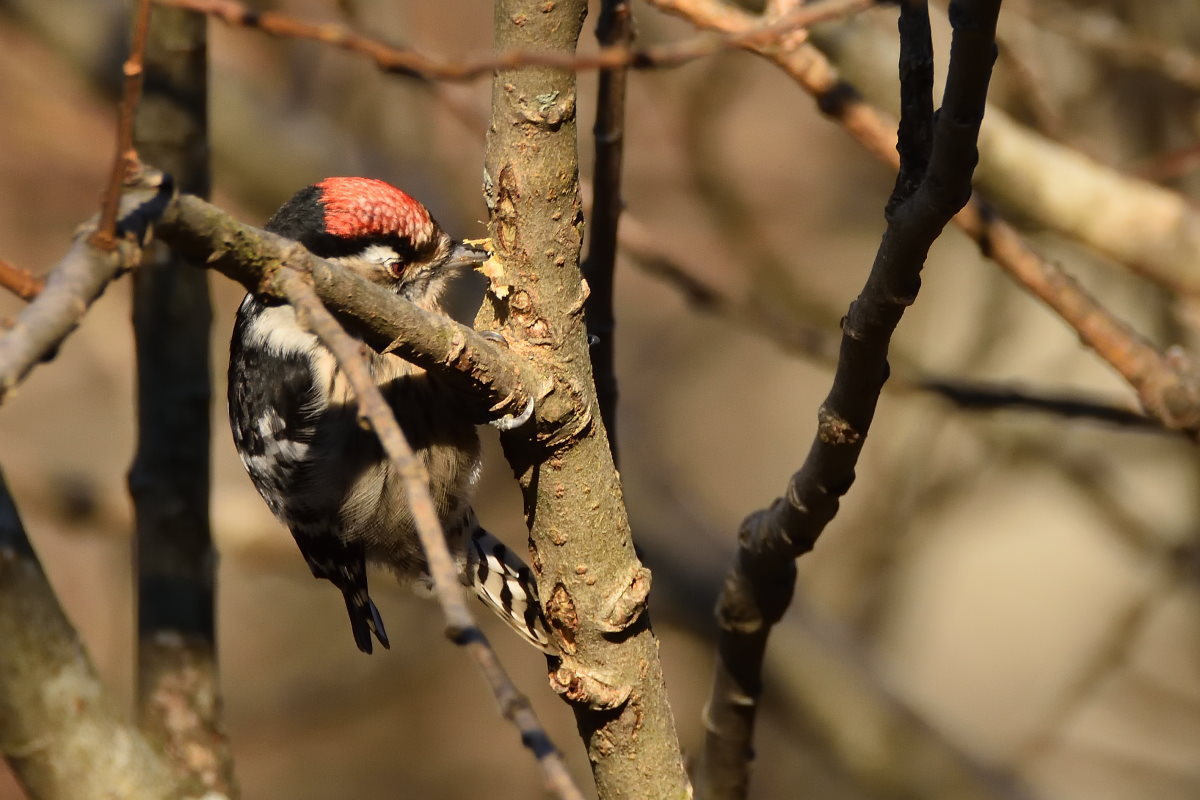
x=126, y=160
x=614, y=29
x=410, y=62
x=938, y=160
x=460, y=624
x=22, y=283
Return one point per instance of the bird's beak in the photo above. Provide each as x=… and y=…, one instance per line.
x=465, y=255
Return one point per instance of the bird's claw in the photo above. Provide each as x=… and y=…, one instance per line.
x=509, y=422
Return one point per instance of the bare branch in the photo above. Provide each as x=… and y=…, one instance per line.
x=799, y=337
x=59, y=729
x=126, y=159
x=614, y=29
x=22, y=283
x=404, y=61
x=460, y=623
x=72, y=286
x=758, y=589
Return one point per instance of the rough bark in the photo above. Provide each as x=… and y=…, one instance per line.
x=593, y=586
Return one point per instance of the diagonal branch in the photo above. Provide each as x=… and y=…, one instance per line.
x=758, y=588
x=460, y=624
x=60, y=731
x=71, y=288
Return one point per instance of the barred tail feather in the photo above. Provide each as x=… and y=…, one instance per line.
x=506, y=585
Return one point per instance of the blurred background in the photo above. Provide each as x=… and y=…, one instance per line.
x=1007, y=602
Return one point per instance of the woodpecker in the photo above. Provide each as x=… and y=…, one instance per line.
x=294, y=417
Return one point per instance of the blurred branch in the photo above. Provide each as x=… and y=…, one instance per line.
x=178, y=690
x=460, y=624
x=71, y=287
x=614, y=29
x=126, y=159
x=794, y=335
x=937, y=159
x=1151, y=230
x=60, y=731
x=594, y=588
x=1115, y=42
x=412, y=63
x=1168, y=385
x=22, y=283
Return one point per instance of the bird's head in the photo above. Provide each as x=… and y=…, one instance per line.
x=378, y=231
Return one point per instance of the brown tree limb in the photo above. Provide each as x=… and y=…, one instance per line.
x=1168, y=385
x=613, y=29
x=126, y=159
x=935, y=182
x=22, y=283
x=60, y=731
x=70, y=289
x=460, y=623
x=404, y=61
x=178, y=689
x=593, y=587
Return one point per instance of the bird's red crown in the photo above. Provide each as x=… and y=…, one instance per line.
x=357, y=207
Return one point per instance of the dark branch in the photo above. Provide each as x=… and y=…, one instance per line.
x=614, y=29
x=169, y=477
x=758, y=588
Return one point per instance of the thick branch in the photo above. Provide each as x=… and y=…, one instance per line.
x=59, y=729
x=758, y=588
x=460, y=623
x=592, y=585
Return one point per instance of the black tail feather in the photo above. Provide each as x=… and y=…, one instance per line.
x=364, y=620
